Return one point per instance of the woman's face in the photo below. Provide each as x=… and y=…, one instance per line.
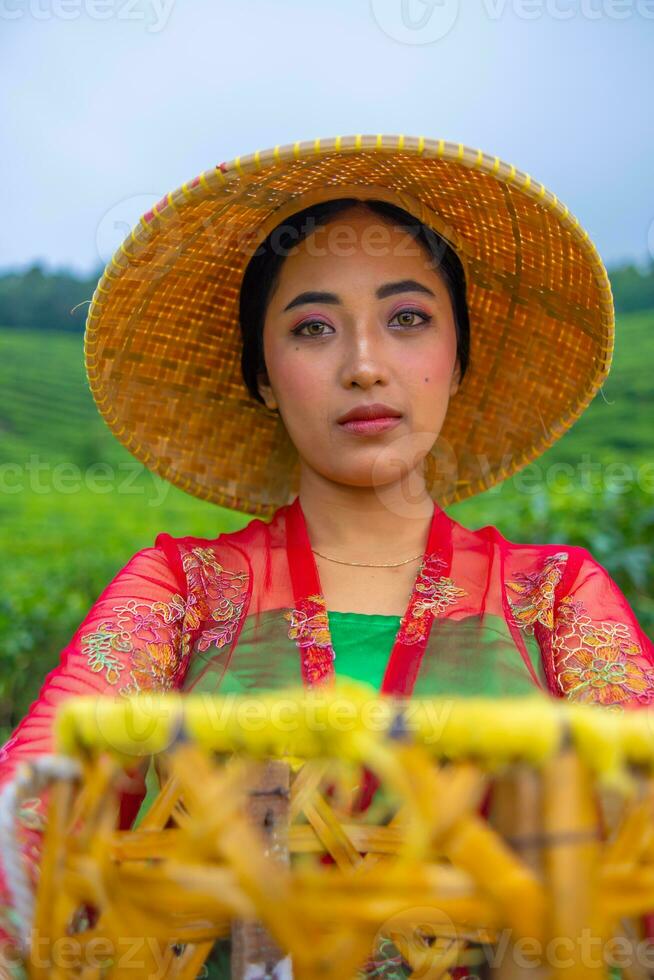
x=359, y=316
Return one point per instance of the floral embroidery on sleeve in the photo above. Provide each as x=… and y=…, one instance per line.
x=433, y=593
x=536, y=593
x=593, y=660
x=103, y=648
x=145, y=645
x=214, y=593
x=138, y=645
x=598, y=661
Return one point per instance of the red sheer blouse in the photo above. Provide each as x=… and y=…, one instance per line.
x=244, y=611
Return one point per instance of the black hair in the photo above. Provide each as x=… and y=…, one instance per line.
x=263, y=270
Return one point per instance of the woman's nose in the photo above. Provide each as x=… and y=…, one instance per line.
x=365, y=359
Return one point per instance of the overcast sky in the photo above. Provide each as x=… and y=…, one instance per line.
x=109, y=104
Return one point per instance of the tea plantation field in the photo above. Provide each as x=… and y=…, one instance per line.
x=74, y=505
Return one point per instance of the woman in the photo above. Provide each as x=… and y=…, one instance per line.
x=415, y=282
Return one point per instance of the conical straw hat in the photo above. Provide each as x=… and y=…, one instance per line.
x=163, y=344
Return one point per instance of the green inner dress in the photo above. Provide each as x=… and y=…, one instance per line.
x=362, y=644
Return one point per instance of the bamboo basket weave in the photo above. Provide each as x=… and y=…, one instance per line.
x=233, y=842
x=162, y=342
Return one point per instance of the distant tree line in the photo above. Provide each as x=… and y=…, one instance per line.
x=632, y=289
x=43, y=300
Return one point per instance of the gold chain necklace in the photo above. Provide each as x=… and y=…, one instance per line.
x=390, y=564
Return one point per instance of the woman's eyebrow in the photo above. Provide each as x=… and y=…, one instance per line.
x=388, y=289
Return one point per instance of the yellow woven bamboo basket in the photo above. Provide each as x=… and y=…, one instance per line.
x=557, y=870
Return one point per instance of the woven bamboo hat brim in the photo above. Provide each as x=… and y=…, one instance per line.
x=163, y=344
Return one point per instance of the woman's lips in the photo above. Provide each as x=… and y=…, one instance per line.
x=370, y=426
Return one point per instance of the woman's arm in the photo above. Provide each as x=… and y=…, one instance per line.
x=130, y=641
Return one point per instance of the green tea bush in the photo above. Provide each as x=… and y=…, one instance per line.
x=62, y=541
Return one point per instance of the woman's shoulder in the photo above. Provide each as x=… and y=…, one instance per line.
x=255, y=531
x=560, y=563
x=229, y=551
x=491, y=536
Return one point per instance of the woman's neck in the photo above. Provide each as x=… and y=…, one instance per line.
x=364, y=523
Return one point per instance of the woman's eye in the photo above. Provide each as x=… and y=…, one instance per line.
x=411, y=313
x=309, y=323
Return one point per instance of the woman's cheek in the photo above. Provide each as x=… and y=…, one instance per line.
x=431, y=393
x=301, y=401
x=427, y=373
x=298, y=387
